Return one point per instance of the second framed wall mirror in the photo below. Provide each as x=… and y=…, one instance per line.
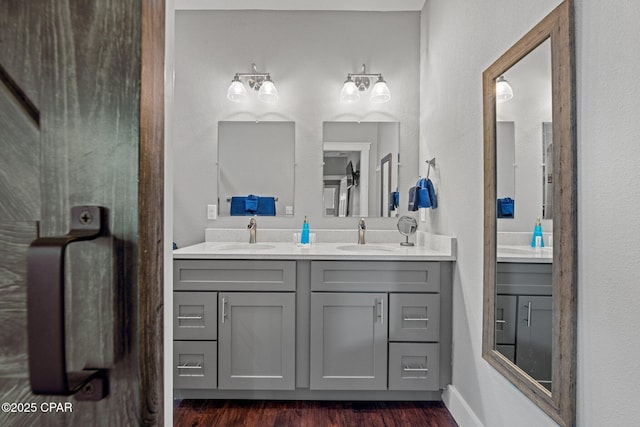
x=540, y=358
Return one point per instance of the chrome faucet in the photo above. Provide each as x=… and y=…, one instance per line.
x=361, y=228
x=253, y=227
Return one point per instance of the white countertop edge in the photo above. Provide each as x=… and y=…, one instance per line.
x=315, y=251
x=528, y=255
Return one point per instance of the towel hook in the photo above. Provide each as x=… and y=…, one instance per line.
x=431, y=162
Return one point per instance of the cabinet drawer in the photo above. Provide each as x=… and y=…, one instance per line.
x=414, y=366
x=234, y=275
x=378, y=276
x=195, y=315
x=414, y=317
x=195, y=364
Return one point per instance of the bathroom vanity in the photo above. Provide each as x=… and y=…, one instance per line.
x=524, y=309
x=328, y=321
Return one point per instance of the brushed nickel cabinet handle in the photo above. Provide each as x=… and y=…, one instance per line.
x=381, y=310
x=420, y=369
x=199, y=317
x=46, y=314
x=223, y=314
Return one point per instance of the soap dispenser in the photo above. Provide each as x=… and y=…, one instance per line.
x=304, y=236
x=537, y=241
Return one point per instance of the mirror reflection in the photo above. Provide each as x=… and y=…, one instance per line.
x=256, y=168
x=360, y=169
x=523, y=300
x=524, y=148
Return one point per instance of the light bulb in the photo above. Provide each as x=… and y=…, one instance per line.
x=380, y=92
x=349, y=92
x=236, y=92
x=268, y=92
x=503, y=90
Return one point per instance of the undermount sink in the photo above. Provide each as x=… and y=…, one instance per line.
x=245, y=246
x=366, y=248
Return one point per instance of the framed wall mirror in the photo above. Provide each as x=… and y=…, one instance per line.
x=529, y=312
x=360, y=168
x=256, y=168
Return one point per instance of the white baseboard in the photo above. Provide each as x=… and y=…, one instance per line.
x=458, y=407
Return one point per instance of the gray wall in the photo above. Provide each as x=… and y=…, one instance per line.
x=459, y=40
x=308, y=54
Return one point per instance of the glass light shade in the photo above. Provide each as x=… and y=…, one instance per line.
x=237, y=92
x=503, y=90
x=349, y=92
x=268, y=92
x=380, y=92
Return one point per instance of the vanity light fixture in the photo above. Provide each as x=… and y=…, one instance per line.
x=503, y=90
x=360, y=82
x=260, y=82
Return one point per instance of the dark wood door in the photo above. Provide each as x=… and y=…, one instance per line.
x=71, y=129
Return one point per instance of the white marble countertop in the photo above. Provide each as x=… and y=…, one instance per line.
x=429, y=247
x=524, y=254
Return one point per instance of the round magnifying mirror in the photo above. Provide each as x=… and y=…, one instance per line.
x=407, y=225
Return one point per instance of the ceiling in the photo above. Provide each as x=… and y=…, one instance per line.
x=364, y=5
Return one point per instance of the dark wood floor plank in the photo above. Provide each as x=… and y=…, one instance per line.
x=248, y=413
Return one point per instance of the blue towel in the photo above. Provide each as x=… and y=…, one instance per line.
x=413, y=199
x=266, y=206
x=238, y=207
x=244, y=206
x=433, y=201
x=394, y=199
x=505, y=207
x=424, y=201
x=251, y=203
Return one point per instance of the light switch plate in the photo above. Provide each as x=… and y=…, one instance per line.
x=288, y=210
x=212, y=212
x=423, y=215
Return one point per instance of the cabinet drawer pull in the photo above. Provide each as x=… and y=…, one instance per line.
x=187, y=366
x=416, y=319
x=223, y=303
x=501, y=321
x=192, y=317
x=410, y=369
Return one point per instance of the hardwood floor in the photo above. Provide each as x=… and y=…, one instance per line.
x=250, y=413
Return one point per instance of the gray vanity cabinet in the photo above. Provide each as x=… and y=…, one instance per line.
x=234, y=325
x=311, y=329
x=348, y=341
x=256, y=343
x=377, y=325
x=524, y=318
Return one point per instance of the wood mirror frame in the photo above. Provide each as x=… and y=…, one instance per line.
x=559, y=404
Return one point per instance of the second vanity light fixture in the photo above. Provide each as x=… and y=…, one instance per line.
x=360, y=82
x=503, y=90
x=260, y=82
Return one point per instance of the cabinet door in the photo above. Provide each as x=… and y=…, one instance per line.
x=256, y=341
x=506, y=319
x=533, y=340
x=348, y=341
